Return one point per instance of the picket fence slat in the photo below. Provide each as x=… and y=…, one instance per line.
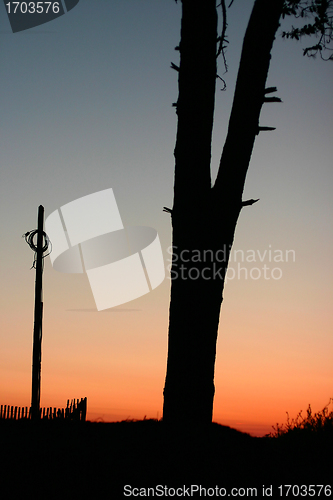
x=75, y=410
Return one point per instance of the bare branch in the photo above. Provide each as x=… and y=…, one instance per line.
x=272, y=99
x=270, y=90
x=223, y=81
x=222, y=39
x=265, y=129
x=249, y=202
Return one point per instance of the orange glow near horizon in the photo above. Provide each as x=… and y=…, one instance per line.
x=120, y=364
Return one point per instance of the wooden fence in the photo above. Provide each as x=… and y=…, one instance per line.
x=75, y=410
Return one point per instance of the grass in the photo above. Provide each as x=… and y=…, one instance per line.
x=96, y=460
x=314, y=423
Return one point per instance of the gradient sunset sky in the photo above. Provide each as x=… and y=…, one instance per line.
x=86, y=105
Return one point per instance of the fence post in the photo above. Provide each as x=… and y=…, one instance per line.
x=84, y=411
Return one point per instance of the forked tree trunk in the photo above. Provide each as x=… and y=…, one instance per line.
x=204, y=218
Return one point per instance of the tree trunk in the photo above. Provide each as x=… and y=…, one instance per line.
x=204, y=218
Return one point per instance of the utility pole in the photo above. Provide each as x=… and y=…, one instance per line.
x=37, y=339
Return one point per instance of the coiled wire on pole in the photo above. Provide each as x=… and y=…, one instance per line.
x=29, y=238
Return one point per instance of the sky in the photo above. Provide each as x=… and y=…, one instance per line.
x=86, y=105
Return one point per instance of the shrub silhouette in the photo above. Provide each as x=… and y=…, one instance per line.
x=314, y=423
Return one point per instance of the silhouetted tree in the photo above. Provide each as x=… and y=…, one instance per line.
x=204, y=217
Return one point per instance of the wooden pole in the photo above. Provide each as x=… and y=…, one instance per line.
x=37, y=339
